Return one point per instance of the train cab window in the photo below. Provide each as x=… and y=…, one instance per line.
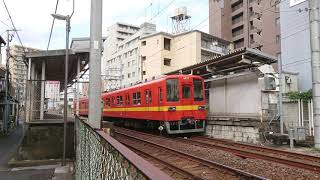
x=108, y=102
x=172, y=90
x=186, y=93
x=119, y=100
x=197, y=89
x=136, y=98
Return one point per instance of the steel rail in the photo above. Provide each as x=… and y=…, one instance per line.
x=206, y=162
x=255, y=152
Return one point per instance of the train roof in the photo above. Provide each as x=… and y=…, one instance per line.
x=145, y=83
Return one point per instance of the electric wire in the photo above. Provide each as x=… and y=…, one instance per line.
x=55, y=11
x=15, y=30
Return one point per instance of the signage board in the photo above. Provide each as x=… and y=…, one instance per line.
x=295, y=2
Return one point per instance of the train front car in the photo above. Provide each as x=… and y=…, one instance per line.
x=185, y=103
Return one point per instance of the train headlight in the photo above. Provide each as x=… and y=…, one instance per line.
x=172, y=109
x=201, y=108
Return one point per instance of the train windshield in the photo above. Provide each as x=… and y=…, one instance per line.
x=197, y=89
x=172, y=90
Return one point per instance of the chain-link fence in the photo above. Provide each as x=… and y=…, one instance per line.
x=45, y=101
x=101, y=158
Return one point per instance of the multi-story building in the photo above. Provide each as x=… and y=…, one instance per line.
x=18, y=68
x=163, y=52
x=295, y=42
x=52, y=90
x=116, y=33
x=247, y=23
x=121, y=54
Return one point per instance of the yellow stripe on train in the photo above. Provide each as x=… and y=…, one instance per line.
x=146, y=108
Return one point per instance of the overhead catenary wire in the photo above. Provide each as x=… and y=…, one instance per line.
x=15, y=30
x=55, y=11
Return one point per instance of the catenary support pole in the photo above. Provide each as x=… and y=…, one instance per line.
x=77, y=87
x=42, y=96
x=280, y=95
x=315, y=63
x=65, y=103
x=95, y=64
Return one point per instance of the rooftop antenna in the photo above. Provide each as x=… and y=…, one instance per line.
x=180, y=20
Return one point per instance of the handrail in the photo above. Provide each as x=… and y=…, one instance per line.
x=108, y=146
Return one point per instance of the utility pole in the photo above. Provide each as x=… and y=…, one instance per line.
x=315, y=63
x=95, y=64
x=280, y=95
x=6, y=106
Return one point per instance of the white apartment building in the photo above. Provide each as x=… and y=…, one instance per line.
x=18, y=68
x=121, y=59
x=52, y=89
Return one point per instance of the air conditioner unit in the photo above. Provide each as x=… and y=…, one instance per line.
x=269, y=83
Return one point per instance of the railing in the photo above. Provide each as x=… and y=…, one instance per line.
x=99, y=156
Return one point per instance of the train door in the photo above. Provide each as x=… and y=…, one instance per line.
x=187, y=100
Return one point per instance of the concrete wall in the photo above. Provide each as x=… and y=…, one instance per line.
x=236, y=133
x=237, y=95
x=295, y=42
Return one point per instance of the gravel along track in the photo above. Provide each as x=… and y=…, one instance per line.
x=182, y=165
x=258, y=167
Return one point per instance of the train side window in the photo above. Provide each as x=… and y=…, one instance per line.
x=136, y=97
x=113, y=101
x=119, y=100
x=108, y=102
x=160, y=94
x=148, y=96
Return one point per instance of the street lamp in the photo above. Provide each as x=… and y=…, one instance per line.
x=67, y=19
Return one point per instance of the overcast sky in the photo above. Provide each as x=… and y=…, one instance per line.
x=33, y=17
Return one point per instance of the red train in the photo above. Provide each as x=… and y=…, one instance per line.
x=175, y=103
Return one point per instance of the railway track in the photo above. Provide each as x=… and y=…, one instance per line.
x=257, y=152
x=180, y=165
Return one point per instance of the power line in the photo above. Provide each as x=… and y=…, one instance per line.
x=162, y=10
x=15, y=30
x=5, y=24
x=55, y=11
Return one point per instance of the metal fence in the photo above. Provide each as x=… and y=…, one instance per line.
x=99, y=156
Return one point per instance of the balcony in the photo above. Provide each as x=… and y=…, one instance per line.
x=256, y=41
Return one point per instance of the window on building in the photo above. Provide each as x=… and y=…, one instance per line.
x=136, y=98
x=144, y=73
x=122, y=76
x=143, y=43
x=279, y=56
x=167, y=44
x=239, y=43
x=237, y=31
x=133, y=74
x=133, y=62
x=129, y=75
x=278, y=39
x=277, y=21
x=167, y=62
x=129, y=64
x=143, y=58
